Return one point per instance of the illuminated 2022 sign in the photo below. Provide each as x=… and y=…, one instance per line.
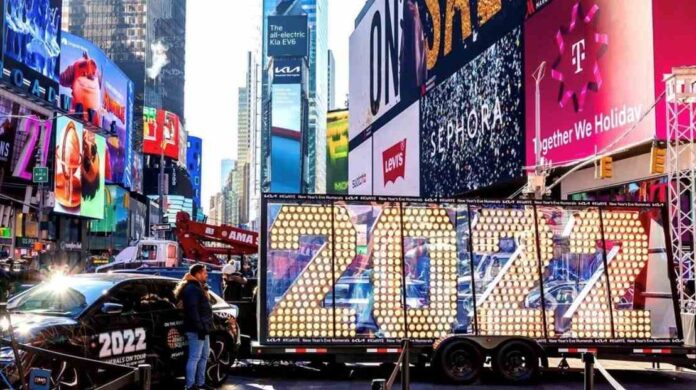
x=556, y=272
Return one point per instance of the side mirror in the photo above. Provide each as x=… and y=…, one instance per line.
x=112, y=308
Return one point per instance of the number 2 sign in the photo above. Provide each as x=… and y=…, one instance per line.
x=541, y=271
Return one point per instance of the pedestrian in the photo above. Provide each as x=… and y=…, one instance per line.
x=192, y=294
x=247, y=271
x=234, y=282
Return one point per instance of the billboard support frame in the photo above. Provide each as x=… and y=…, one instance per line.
x=681, y=162
x=471, y=265
x=537, y=241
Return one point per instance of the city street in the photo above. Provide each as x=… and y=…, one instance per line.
x=360, y=377
x=482, y=188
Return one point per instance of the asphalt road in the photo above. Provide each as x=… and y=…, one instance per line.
x=273, y=377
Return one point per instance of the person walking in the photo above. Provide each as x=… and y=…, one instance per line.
x=192, y=294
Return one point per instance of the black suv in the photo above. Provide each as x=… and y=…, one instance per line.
x=124, y=319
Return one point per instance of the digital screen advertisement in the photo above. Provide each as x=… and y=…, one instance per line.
x=337, y=152
x=673, y=31
x=287, y=36
x=372, y=65
x=598, y=81
x=161, y=129
x=138, y=220
x=471, y=124
x=31, y=39
x=360, y=169
x=396, y=156
x=286, y=138
x=137, y=170
x=95, y=83
x=116, y=210
x=382, y=270
x=79, y=170
x=400, y=50
x=173, y=205
x=25, y=142
x=194, y=164
x=287, y=70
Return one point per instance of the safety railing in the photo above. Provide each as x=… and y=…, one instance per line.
x=402, y=366
x=122, y=377
x=590, y=364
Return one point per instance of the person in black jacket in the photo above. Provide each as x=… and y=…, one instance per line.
x=234, y=282
x=192, y=294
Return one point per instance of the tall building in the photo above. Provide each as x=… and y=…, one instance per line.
x=246, y=115
x=226, y=167
x=314, y=143
x=231, y=201
x=332, y=81
x=146, y=39
x=216, y=212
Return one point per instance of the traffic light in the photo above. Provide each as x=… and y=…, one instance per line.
x=606, y=170
x=658, y=159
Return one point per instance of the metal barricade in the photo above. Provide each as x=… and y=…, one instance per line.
x=125, y=377
x=590, y=363
x=402, y=366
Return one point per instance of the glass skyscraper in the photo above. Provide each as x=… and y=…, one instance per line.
x=315, y=148
x=145, y=38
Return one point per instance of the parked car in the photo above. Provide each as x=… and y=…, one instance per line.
x=119, y=318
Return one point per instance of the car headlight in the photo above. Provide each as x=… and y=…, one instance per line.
x=228, y=311
x=233, y=310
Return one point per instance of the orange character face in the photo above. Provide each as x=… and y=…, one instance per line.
x=84, y=79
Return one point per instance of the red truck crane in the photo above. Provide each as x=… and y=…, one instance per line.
x=204, y=242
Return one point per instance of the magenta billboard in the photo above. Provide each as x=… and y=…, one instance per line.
x=598, y=81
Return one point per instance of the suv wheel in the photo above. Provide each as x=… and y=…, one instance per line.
x=220, y=360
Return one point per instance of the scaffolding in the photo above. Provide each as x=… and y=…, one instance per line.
x=681, y=151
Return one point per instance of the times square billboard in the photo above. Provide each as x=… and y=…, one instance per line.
x=31, y=32
x=605, y=63
x=94, y=83
x=473, y=82
x=162, y=133
x=436, y=93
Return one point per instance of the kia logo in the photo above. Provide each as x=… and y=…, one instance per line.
x=287, y=70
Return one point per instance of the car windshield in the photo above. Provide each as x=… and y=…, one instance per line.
x=63, y=296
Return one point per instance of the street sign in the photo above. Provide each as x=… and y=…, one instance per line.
x=161, y=228
x=40, y=175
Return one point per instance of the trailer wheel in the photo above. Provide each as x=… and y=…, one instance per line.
x=516, y=362
x=460, y=362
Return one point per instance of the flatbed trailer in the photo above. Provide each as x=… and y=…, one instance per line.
x=461, y=358
x=510, y=283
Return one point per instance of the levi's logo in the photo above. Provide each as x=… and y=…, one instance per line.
x=394, y=162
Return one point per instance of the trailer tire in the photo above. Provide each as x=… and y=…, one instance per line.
x=460, y=362
x=516, y=362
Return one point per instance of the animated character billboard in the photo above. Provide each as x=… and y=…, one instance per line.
x=103, y=93
x=161, y=129
x=79, y=170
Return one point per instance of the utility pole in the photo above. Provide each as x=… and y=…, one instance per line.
x=165, y=138
x=536, y=182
